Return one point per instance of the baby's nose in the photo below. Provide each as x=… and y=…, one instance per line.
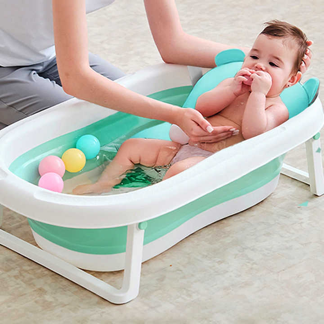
x=260, y=66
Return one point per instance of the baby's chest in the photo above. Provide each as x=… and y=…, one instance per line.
x=235, y=110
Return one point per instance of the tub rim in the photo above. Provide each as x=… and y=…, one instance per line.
x=150, y=202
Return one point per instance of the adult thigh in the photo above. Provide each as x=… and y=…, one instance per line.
x=98, y=64
x=104, y=68
x=23, y=93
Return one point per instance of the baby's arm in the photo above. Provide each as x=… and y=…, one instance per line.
x=215, y=100
x=258, y=118
x=148, y=152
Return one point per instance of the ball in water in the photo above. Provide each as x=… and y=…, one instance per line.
x=51, y=163
x=89, y=145
x=51, y=181
x=74, y=160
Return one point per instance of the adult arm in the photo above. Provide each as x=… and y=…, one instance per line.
x=79, y=80
x=176, y=46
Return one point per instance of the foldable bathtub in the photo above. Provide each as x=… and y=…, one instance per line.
x=114, y=232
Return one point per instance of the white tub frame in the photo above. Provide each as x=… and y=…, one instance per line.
x=53, y=208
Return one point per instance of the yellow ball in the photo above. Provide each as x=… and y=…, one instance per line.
x=74, y=160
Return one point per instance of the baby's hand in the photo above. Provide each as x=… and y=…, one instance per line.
x=261, y=82
x=242, y=82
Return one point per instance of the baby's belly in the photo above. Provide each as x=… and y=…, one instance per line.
x=219, y=120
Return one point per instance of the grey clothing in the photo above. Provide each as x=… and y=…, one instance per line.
x=27, y=90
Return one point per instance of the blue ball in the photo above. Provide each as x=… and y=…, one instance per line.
x=89, y=145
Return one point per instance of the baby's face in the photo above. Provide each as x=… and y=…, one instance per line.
x=275, y=56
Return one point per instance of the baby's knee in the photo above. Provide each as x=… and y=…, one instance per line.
x=131, y=142
x=173, y=170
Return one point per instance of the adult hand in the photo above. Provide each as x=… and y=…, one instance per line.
x=307, y=59
x=195, y=126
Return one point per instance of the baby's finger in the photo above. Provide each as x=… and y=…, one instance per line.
x=243, y=72
x=241, y=78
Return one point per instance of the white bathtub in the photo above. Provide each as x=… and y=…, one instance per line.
x=224, y=184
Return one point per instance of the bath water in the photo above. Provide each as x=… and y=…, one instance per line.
x=135, y=179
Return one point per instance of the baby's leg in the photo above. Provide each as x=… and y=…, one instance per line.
x=148, y=152
x=182, y=165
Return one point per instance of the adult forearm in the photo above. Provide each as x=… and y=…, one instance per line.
x=174, y=45
x=88, y=85
x=254, y=120
x=190, y=50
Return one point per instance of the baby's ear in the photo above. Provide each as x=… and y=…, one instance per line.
x=294, y=79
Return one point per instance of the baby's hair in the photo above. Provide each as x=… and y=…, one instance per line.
x=277, y=28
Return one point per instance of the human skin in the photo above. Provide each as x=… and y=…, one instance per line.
x=249, y=102
x=174, y=45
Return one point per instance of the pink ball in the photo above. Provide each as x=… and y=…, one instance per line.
x=52, y=163
x=51, y=181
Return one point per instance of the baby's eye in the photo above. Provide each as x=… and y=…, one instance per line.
x=273, y=64
x=254, y=57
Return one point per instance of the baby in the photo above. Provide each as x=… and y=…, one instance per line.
x=249, y=104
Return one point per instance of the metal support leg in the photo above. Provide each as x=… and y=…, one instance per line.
x=131, y=280
x=315, y=165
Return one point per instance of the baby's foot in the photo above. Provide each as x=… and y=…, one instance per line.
x=96, y=188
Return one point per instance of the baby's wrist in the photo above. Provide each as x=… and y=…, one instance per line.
x=259, y=92
x=232, y=90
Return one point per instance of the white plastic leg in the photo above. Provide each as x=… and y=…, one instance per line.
x=131, y=281
x=295, y=173
x=1, y=215
x=315, y=166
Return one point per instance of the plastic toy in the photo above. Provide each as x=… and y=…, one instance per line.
x=51, y=181
x=74, y=160
x=52, y=163
x=89, y=145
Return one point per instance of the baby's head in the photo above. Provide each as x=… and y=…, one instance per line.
x=292, y=37
x=279, y=50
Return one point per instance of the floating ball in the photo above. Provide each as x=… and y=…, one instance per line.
x=74, y=160
x=51, y=181
x=89, y=145
x=51, y=163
